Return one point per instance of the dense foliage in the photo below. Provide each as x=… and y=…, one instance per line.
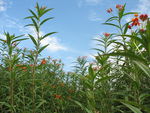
x=117, y=81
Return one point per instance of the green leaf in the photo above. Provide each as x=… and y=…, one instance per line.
x=40, y=104
x=99, y=50
x=34, y=15
x=111, y=19
x=18, y=37
x=128, y=54
x=91, y=72
x=31, y=57
x=28, y=25
x=136, y=38
x=42, y=48
x=144, y=67
x=38, y=9
x=148, y=30
x=121, y=12
x=134, y=109
x=112, y=25
x=104, y=79
x=8, y=38
x=130, y=13
x=126, y=28
x=29, y=17
x=20, y=40
x=48, y=34
x=83, y=107
x=2, y=40
x=35, y=24
x=45, y=11
x=33, y=39
x=46, y=20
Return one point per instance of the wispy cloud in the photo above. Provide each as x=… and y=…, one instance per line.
x=55, y=44
x=4, y=5
x=143, y=6
x=93, y=2
x=88, y=2
x=93, y=16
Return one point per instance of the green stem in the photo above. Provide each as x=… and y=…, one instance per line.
x=34, y=68
x=11, y=86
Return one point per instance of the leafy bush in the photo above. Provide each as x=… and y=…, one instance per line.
x=117, y=81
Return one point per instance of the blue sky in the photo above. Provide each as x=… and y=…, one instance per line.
x=76, y=21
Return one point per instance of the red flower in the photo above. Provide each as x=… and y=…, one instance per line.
x=43, y=61
x=136, y=15
x=57, y=96
x=106, y=34
x=142, y=30
x=109, y=10
x=31, y=65
x=18, y=65
x=135, y=22
x=24, y=68
x=143, y=17
x=129, y=26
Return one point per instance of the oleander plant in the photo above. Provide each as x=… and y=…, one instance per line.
x=117, y=80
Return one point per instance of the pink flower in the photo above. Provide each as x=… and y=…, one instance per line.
x=109, y=10
x=129, y=26
x=119, y=7
x=106, y=34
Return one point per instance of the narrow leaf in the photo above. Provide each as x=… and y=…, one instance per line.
x=42, y=48
x=33, y=40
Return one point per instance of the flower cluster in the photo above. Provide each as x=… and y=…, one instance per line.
x=118, y=6
x=136, y=20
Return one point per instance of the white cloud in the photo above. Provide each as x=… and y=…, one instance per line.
x=93, y=16
x=2, y=5
x=54, y=44
x=2, y=36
